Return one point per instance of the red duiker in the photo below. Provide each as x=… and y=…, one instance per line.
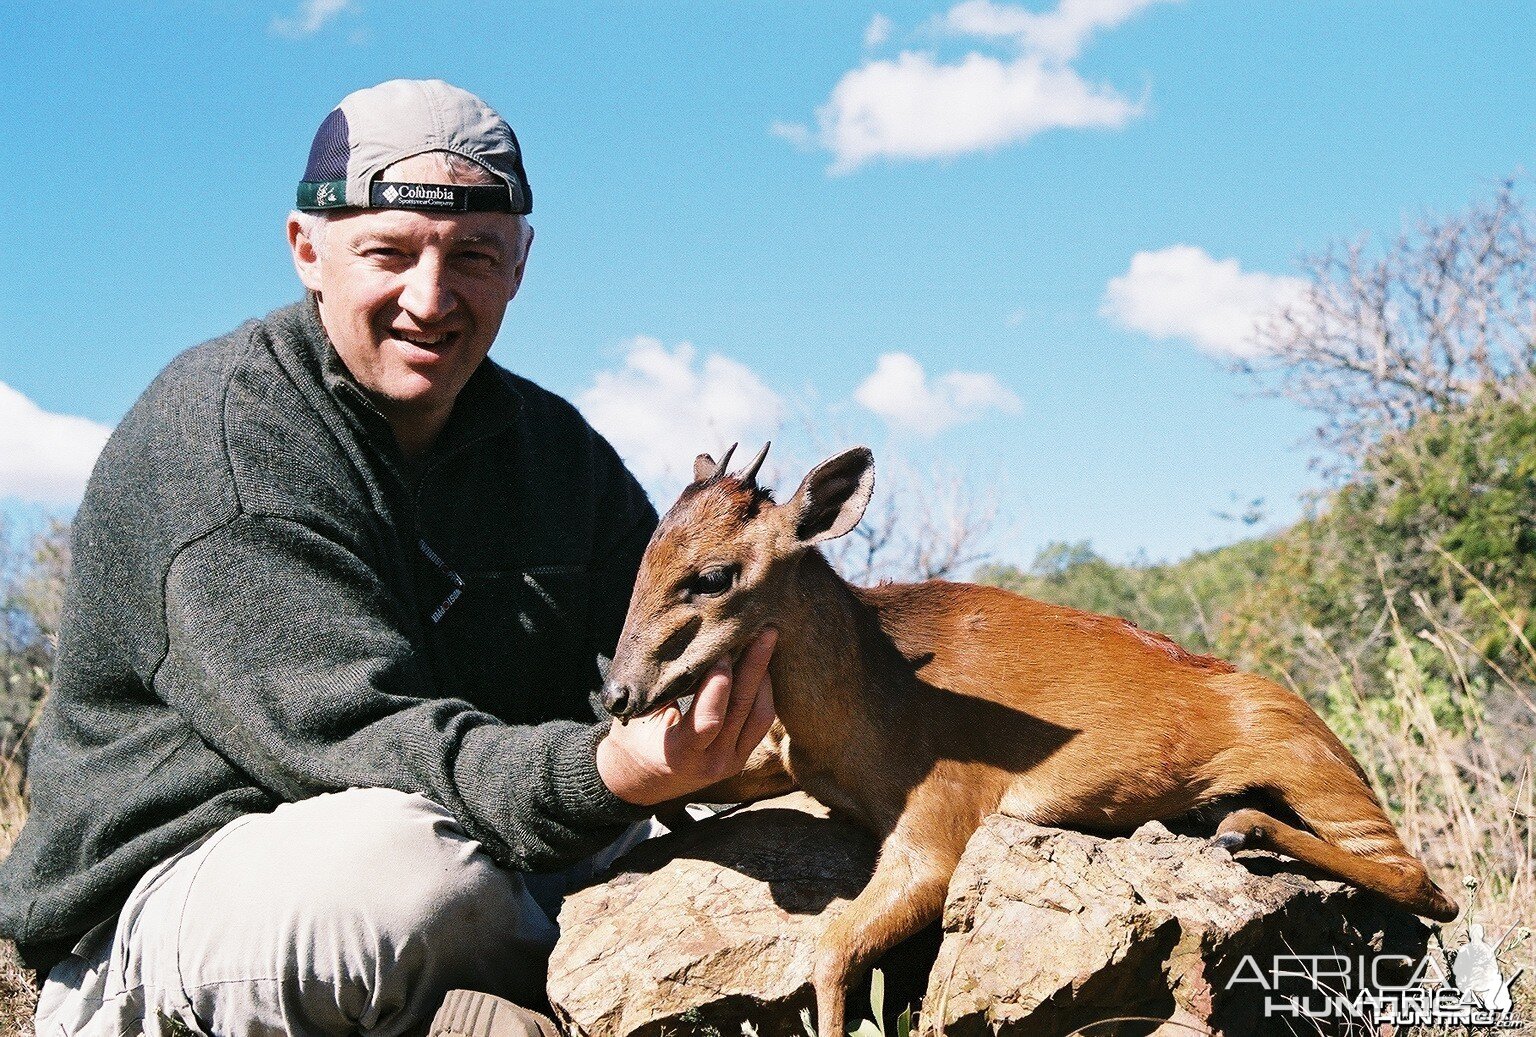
x=916, y=710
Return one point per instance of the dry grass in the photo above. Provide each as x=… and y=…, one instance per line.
x=18, y=994
x=1463, y=792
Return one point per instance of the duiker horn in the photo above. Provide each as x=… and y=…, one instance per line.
x=749, y=474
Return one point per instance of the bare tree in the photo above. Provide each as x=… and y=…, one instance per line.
x=1378, y=340
x=32, y=574
x=922, y=526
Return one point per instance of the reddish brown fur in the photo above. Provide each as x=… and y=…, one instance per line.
x=918, y=709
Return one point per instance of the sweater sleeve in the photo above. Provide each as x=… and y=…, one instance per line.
x=286, y=654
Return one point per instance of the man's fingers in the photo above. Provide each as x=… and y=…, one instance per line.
x=750, y=674
x=758, y=722
x=753, y=667
x=711, y=705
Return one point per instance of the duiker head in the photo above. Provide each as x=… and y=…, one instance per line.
x=720, y=569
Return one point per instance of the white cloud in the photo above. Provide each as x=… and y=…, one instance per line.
x=796, y=134
x=1059, y=34
x=878, y=32
x=45, y=458
x=664, y=406
x=900, y=392
x=1181, y=292
x=310, y=18
x=917, y=106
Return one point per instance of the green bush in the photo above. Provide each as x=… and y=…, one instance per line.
x=1432, y=543
x=1188, y=600
x=1421, y=567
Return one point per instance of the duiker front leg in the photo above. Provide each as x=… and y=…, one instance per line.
x=905, y=893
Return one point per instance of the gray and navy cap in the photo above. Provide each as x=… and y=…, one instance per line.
x=374, y=128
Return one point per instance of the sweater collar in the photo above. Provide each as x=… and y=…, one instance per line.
x=486, y=406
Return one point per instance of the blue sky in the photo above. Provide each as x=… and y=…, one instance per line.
x=1009, y=242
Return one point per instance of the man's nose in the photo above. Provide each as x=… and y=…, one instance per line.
x=426, y=295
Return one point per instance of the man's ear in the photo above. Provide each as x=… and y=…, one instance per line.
x=522, y=265
x=832, y=498
x=306, y=257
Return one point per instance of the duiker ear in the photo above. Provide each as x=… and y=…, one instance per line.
x=832, y=498
x=706, y=467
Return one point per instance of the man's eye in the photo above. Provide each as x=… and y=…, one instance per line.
x=714, y=580
x=478, y=258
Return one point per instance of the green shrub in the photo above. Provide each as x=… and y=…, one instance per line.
x=1188, y=600
x=1435, y=533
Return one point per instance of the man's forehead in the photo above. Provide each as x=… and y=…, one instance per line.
x=460, y=228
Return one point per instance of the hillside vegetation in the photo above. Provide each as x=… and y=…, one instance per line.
x=1403, y=605
x=1436, y=529
x=1192, y=601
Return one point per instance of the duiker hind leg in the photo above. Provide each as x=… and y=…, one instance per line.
x=1354, y=840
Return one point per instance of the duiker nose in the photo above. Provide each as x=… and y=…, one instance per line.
x=617, y=699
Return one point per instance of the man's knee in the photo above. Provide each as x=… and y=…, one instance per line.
x=378, y=900
x=365, y=863
x=394, y=862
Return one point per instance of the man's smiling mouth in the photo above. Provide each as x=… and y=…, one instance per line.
x=424, y=341
x=417, y=344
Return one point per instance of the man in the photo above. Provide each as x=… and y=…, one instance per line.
x=340, y=587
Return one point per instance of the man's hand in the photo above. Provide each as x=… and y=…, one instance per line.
x=667, y=754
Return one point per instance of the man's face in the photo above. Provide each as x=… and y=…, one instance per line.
x=412, y=300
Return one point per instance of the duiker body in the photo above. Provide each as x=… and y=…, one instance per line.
x=916, y=710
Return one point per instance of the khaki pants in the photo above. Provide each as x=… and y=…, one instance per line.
x=347, y=913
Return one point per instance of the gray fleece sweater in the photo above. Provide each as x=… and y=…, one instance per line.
x=268, y=603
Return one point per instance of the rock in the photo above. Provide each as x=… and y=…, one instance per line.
x=1044, y=931
x=708, y=927
x=1047, y=930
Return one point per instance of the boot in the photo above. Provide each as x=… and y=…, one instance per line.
x=469, y=1013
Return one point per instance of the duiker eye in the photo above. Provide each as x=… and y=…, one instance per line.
x=717, y=579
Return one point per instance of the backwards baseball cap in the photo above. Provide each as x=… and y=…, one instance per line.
x=374, y=128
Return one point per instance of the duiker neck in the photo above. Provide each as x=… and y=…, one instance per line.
x=833, y=665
